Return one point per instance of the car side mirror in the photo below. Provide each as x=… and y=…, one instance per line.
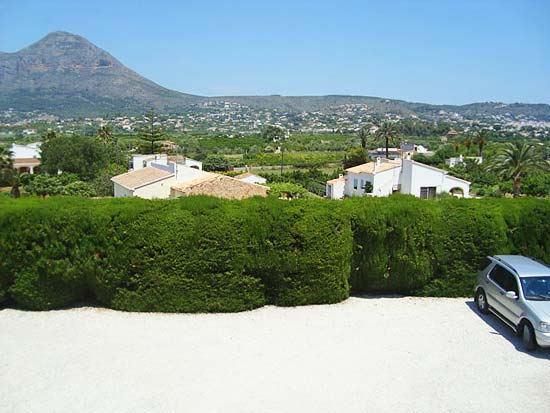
x=511, y=294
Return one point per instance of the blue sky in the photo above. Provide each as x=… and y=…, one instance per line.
x=432, y=51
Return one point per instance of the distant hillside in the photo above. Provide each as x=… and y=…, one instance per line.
x=65, y=74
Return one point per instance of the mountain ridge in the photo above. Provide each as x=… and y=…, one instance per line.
x=66, y=74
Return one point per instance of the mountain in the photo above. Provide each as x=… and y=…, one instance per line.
x=65, y=74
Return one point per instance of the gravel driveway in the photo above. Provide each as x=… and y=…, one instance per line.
x=363, y=355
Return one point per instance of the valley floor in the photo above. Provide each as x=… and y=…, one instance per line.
x=362, y=355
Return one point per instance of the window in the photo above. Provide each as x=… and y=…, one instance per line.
x=355, y=183
x=504, y=279
x=362, y=184
x=427, y=192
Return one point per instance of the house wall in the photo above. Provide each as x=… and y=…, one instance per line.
x=451, y=182
x=336, y=190
x=416, y=175
x=254, y=179
x=156, y=190
x=184, y=173
x=121, y=192
x=385, y=181
x=349, y=187
x=382, y=182
x=141, y=161
x=193, y=163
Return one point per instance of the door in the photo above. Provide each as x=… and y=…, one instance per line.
x=501, y=281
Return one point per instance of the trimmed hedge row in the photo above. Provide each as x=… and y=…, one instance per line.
x=203, y=254
x=407, y=245
x=196, y=254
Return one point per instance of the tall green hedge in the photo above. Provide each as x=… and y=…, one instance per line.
x=195, y=254
x=202, y=254
x=407, y=245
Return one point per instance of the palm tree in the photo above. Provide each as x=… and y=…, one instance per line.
x=105, y=135
x=516, y=160
x=481, y=139
x=364, y=135
x=15, y=180
x=387, y=132
x=456, y=146
x=468, y=144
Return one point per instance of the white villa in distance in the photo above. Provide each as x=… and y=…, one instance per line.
x=162, y=176
x=25, y=157
x=384, y=177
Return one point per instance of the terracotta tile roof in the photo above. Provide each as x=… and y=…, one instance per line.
x=141, y=177
x=220, y=186
x=370, y=167
x=336, y=180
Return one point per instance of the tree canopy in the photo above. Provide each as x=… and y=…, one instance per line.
x=83, y=156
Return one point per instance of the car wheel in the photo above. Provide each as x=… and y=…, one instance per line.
x=481, y=301
x=528, y=336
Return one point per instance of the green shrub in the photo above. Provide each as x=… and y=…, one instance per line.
x=45, y=257
x=201, y=254
x=392, y=243
x=301, y=251
x=188, y=256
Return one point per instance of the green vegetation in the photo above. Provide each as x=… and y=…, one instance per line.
x=151, y=132
x=407, y=245
x=517, y=160
x=79, y=155
x=203, y=254
x=194, y=254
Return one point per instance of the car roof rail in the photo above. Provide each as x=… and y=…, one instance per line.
x=506, y=263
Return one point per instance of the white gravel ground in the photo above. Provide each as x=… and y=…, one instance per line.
x=363, y=355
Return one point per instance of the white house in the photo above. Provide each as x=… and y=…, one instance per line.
x=148, y=183
x=385, y=177
x=251, y=178
x=159, y=177
x=25, y=157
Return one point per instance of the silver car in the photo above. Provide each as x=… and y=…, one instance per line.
x=517, y=290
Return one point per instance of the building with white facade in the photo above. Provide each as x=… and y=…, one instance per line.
x=385, y=177
x=161, y=177
x=25, y=158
